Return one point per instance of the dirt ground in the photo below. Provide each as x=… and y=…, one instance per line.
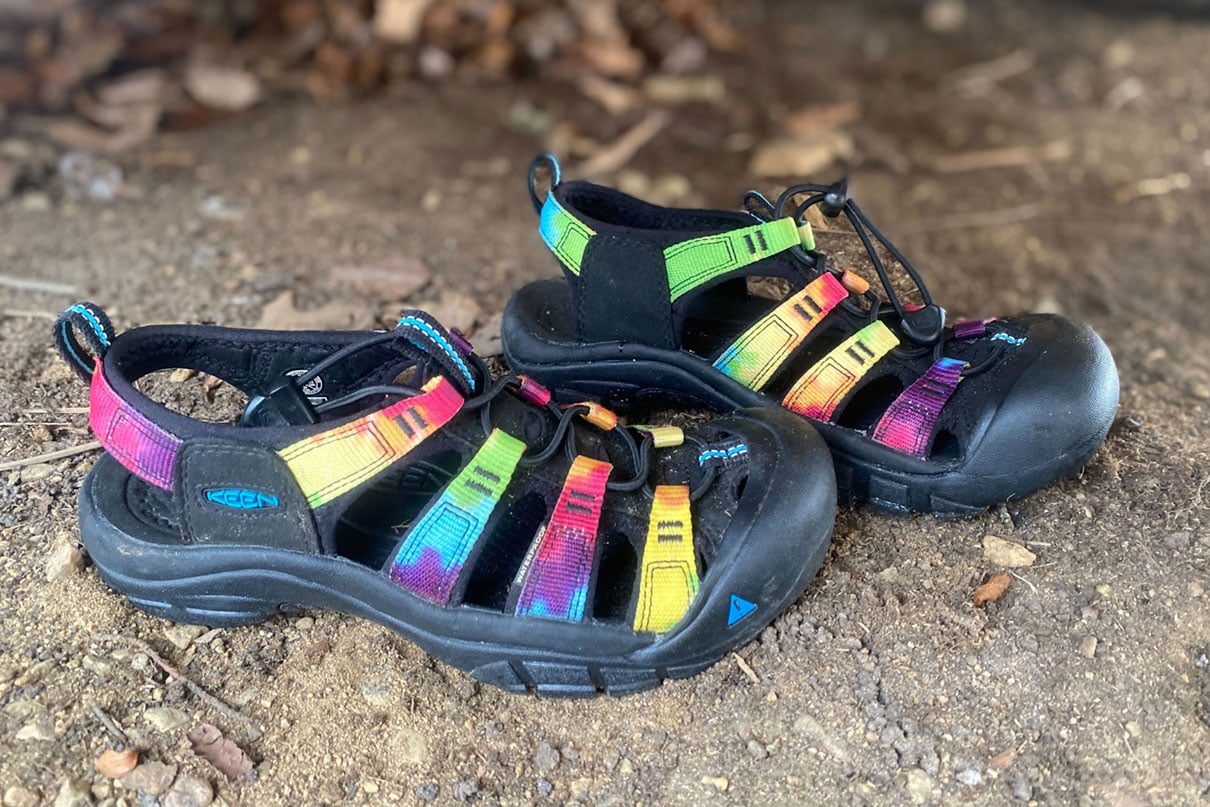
x=1088, y=682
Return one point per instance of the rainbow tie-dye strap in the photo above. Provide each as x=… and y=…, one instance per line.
x=334, y=462
x=756, y=355
x=556, y=575
x=909, y=422
x=821, y=389
x=566, y=235
x=668, y=579
x=143, y=448
x=435, y=550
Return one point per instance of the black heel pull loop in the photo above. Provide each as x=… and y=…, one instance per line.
x=88, y=320
x=548, y=161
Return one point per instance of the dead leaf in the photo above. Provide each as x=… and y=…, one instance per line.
x=454, y=310
x=392, y=281
x=280, y=314
x=399, y=21
x=993, y=589
x=612, y=59
x=801, y=156
x=115, y=764
x=818, y=117
x=230, y=760
x=1004, y=760
x=222, y=87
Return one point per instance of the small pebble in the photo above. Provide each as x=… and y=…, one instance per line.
x=466, y=789
x=718, y=782
x=182, y=636
x=64, y=561
x=73, y=793
x=970, y=777
x=427, y=791
x=756, y=750
x=1088, y=647
x=18, y=796
x=189, y=791
x=152, y=778
x=166, y=719
x=545, y=757
x=545, y=787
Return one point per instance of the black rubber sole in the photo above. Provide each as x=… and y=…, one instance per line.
x=627, y=376
x=228, y=585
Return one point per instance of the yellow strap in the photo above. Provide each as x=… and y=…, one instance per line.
x=668, y=580
x=819, y=391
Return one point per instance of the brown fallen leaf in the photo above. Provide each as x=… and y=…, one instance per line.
x=230, y=760
x=1004, y=760
x=399, y=21
x=222, y=87
x=392, y=281
x=817, y=117
x=280, y=314
x=993, y=589
x=115, y=764
x=454, y=309
x=802, y=156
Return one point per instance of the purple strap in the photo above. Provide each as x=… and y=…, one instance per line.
x=908, y=423
x=970, y=329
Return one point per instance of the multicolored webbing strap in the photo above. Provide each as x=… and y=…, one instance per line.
x=756, y=355
x=819, y=391
x=334, y=462
x=698, y=260
x=908, y=424
x=555, y=577
x=433, y=553
x=566, y=235
x=143, y=448
x=668, y=579
x=689, y=263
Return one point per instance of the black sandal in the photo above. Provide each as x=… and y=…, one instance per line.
x=386, y=475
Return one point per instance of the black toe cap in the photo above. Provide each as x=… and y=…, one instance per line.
x=1057, y=410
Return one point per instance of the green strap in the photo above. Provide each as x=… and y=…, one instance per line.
x=694, y=262
x=690, y=263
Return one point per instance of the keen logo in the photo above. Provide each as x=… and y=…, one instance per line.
x=241, y=498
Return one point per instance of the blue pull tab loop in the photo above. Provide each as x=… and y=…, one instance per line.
x=87, y=320
x=543, y=160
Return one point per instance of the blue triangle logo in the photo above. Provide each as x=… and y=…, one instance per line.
x=740, y=608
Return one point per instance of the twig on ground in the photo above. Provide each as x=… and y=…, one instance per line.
x=748, y=671
x=981, y=218
x=35, y=423
x=110, y=725
x=1158, y=186
x=977, y=79
x=27, y=314
x=203, y=695
x=31, y=284
x=1011, y=157
x=57, y=410
x=620, y=151
x=92, y=445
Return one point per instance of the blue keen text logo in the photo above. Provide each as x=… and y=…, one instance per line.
x=241, y=498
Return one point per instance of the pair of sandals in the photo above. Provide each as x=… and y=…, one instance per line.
x=515, y=527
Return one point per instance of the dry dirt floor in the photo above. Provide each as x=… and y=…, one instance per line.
x=1066, y=170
